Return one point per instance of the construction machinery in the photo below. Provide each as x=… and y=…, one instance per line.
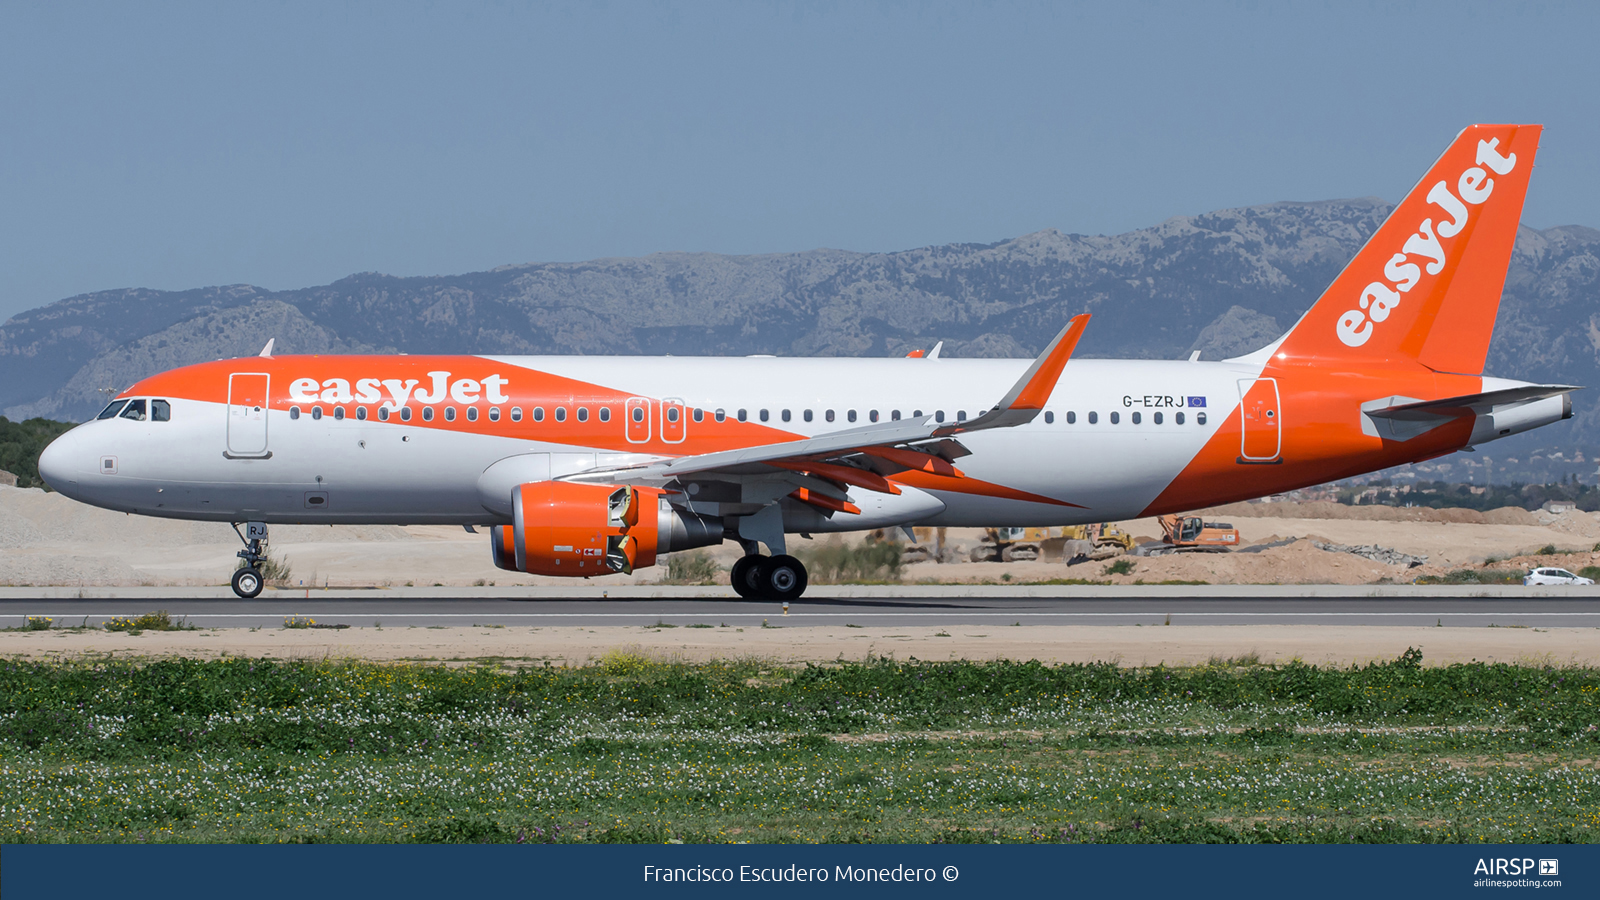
x=1066, y=543
x=1094, y=542
x=1190, y=534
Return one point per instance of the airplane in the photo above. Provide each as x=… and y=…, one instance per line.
x=586, y=466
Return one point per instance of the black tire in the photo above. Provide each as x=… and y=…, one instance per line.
x=247, y=583
x=742, y=577
x=781, y=578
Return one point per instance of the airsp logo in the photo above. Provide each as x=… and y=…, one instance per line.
x=1501, y=866
x=1379, y=298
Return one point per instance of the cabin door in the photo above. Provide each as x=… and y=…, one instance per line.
x=1261, y=420
x=247, y=414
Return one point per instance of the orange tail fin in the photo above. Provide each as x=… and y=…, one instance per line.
x=1426, y=287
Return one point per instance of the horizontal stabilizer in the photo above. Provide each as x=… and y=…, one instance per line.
x=1470, y=404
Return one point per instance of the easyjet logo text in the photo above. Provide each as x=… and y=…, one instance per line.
x=465, y=391
x=1380, y=298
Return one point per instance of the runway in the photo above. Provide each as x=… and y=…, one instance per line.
x=991, y=610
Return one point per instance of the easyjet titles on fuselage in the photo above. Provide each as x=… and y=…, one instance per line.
x=465, y=391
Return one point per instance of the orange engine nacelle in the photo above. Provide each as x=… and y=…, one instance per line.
x=563, y=528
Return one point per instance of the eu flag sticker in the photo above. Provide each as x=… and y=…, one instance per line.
x=1197, y=401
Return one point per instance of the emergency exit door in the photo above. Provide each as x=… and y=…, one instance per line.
x=1261, y=421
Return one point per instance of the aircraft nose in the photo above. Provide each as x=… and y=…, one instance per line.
x=61, y=463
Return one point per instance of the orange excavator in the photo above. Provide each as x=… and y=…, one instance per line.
x=1190, y=534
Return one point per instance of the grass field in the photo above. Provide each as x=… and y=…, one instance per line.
x=631, y=750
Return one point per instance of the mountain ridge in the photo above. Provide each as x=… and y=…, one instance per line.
x=1217, y=282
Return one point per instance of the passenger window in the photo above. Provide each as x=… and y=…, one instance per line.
x=561, y=414
x=583, y=414
x=135, y=411
x=786, y=415
x=1135, y=418
x=720, y=415
x=338, y=413
x=699, y=414
x=1094, y=418
x=938, y=415
x=1116, y=418
x=1158, y=418
x=1072, y=417
x=494, y=413
x=850, y=416
x=1199, y=418
x=806, y=415
x=872, y=416
x=672, y=414
x=961, y=415
x=1177, y=418
x=294, y=412
x=160, y=411
x=638, y=414
x=916, y=414
x=744, y=416
x=111, y=411
x=472, y=414
x=427, y=413
x=538, y=414
x=605, y=414
x=449, y=413
x=383, y=413
x=516, y=413
x=1049, y=418
x=405, y=413
x=361, y=414
x=894, y=415
x=828, y=415
x=763, y=415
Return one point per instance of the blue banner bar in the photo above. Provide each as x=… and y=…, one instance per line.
x=30, y=872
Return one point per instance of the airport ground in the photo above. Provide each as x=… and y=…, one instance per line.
x=1333, y=705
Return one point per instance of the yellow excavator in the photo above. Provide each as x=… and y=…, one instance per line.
x=1067, y=543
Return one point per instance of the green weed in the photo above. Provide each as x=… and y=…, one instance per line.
x=835, y=562
x=691, y=568
x=154, y=621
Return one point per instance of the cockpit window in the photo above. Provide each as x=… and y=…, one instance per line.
x=112, y=410
x=135, y=411
x=160, y=411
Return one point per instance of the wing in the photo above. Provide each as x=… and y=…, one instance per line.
x=819, y=470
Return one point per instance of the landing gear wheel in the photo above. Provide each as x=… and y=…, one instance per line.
x=742, y=577
x=247, y=583
x=781, y=578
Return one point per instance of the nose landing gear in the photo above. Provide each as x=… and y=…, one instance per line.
x=781, y=578
x=247, y=580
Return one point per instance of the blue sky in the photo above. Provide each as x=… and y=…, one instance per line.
x=286, y=144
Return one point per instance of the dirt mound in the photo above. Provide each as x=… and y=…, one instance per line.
x=1324, y=509
x=1297, y=563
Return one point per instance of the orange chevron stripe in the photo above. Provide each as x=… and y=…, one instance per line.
x=970, y=485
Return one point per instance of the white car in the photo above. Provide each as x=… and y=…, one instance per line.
x=1554, y=576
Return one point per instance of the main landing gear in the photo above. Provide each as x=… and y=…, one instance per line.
x=781, y=578
x=247, y=579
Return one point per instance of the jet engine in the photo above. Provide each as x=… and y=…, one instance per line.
x=565, y=528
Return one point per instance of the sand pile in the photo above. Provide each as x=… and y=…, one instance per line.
x=1323, y=509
